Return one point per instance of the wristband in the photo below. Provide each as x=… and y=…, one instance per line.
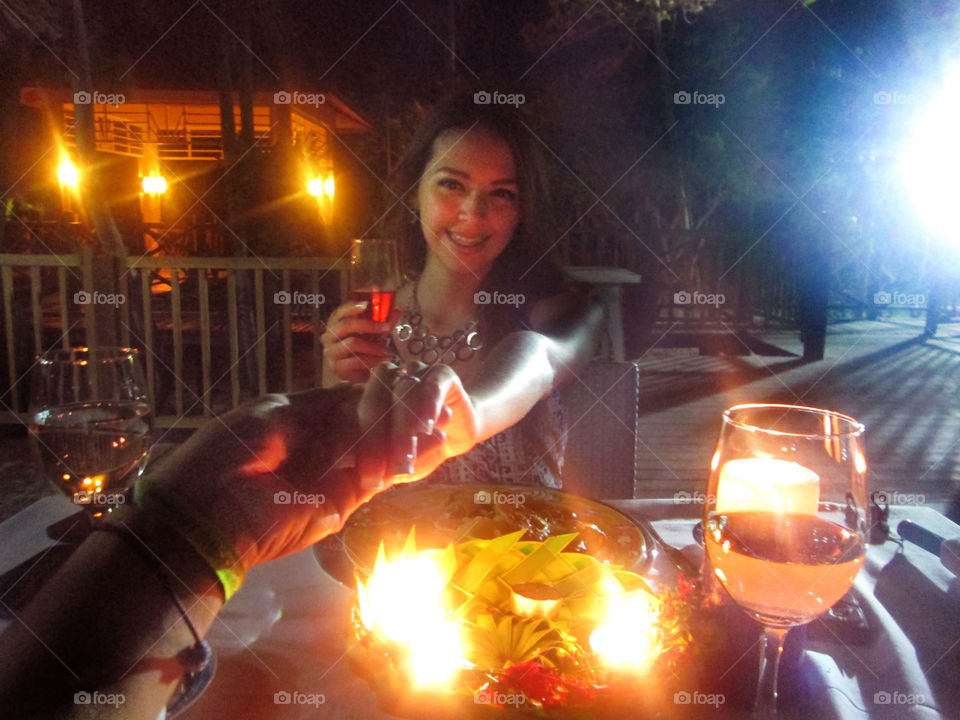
x=195, y=658
x=170, y=508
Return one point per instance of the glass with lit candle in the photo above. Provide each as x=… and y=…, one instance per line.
x=90, y=422
x=785, y=520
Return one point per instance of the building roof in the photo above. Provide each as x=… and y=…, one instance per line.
x=324, y=108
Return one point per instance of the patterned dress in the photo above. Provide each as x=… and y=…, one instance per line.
x=528, y=453
x=531, y=451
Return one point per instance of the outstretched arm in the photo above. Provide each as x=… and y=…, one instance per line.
x=107, y=623
x=526, y=365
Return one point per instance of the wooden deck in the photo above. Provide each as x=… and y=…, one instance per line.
x=905, y=389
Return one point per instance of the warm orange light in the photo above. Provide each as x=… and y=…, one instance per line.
x=315, y=186
x=329, y=186
x=628, y=636
x=67, y=173
x=401, y=601
x=154, y=184
x=767, y=485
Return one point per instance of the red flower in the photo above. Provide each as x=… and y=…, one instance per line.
x=542, y=684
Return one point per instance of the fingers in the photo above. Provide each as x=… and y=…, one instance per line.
x=373, y=411
x=352, y=344
x=347, y=321
x=401, y=412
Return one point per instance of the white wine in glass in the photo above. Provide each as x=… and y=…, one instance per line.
x=785, y=521
x=90, y=421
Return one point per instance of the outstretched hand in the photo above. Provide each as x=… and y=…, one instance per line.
x=280, y=473
x=428, y=402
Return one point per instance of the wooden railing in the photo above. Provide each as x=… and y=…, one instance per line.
x=213, y=331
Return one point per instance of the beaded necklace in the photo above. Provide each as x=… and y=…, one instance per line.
x=429, y=347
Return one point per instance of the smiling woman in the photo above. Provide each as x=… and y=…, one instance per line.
x=482, y=295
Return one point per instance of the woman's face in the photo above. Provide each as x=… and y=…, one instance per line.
x=468, y=201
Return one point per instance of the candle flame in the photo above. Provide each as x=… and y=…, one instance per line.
x=401, y=602
x=628, y=635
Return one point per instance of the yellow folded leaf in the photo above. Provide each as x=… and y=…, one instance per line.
x=546, y=553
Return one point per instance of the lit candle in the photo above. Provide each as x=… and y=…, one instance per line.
x=766, y=484
x=628, y=636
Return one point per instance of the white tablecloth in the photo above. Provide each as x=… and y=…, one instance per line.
x=285, y=631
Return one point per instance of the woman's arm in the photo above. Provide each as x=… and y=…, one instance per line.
x=526, y=365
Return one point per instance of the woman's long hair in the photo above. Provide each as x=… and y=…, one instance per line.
x=528, y=264
x=530, y=254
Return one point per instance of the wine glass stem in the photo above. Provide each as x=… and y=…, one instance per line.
x=765, y=705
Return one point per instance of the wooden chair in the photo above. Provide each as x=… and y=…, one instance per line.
x=601, y=407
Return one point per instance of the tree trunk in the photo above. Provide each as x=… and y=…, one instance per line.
x=666, y=92
x=106, y=323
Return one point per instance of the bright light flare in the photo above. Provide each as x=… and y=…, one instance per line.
x=931, y=161
x=154, y=184
x=315, y=186
x=628, y=636
x=67, y=173
x=401, y=602
x=329, y=186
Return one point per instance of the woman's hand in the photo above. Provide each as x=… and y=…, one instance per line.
x=349, y=350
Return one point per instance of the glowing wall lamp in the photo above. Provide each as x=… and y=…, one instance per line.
x=67, y=173
x=323, y=188
x=318, y=187
x=154, y=184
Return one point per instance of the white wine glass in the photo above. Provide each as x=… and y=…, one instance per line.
x=90, y=422
x=785, y=522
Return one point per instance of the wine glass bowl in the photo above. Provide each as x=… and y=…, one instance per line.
x=785, y=522
x=90, y=421
x=374, y=276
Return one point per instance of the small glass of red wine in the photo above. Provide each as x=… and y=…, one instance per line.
x=374, y=276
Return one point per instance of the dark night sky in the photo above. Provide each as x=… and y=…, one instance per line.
x=324, y=45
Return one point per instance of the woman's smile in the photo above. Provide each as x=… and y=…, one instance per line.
x=468, y=201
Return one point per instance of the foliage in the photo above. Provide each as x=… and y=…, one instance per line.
x=38, y=19
x=795, y=163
